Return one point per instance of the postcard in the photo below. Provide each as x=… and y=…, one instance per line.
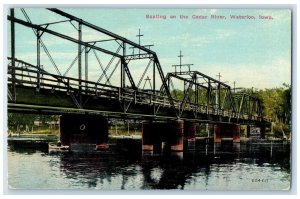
x=149, y=99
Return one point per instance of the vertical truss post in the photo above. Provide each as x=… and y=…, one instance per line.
x=208, y=96
x=196, y=107
x=153, y=78
x=38, y=58
x=79, y=62
x=219, y=98
x=154, y=98
x=245, y=107
x=12, y=30
x=86, y=71
x=123, y=66
x=216, y=98
x=79, y=54
x=196, y=94
x=249, y=108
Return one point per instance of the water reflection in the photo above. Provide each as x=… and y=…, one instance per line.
x=202, y=166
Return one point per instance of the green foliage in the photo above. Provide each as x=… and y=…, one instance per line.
x=243, y=130
x=280, y=130
x=276, y=103
x=19, y=121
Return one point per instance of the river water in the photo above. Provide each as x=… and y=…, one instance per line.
x=250, y=165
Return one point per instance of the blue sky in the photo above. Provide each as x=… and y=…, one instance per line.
x=250, y=52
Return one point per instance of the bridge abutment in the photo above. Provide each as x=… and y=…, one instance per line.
x=227, y=131
x=84, y=132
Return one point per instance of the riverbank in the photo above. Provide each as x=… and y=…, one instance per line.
x=42, y=140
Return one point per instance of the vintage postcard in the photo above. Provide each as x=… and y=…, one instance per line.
x=149, y=99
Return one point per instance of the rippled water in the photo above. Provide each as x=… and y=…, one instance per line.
x=252, y=165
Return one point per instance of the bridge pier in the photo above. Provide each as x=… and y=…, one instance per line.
x=190, y=131
x=167, y=133
x=190, y=135
x=227, y=131
x=84, y=132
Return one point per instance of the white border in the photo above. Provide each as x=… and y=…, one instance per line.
x=153, y=4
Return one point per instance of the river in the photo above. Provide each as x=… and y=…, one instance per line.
x=250, y=165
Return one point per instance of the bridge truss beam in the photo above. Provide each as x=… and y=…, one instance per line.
x=204, y=99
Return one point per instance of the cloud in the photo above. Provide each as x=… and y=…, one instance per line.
x=213, y=11
x=222, y=34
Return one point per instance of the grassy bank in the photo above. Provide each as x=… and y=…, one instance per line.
x=34, y=130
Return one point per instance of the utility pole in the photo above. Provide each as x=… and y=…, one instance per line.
x=139, y=36
x=180, y=57
x=180, y=64
x=219, y=76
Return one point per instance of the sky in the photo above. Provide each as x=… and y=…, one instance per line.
x=250, y=52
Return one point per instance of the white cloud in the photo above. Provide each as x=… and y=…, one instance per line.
x=213, y=11
x=222, y=34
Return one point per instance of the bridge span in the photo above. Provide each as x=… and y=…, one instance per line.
x=170, y=104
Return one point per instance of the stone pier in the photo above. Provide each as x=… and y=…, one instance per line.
x=84, y=132
x=159, y=134
x=227, y=131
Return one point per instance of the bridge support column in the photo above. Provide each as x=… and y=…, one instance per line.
x=217, y=133
x=236, y=133
x=189, y=135
x=227, y=131
x=147, y=135
x=190, y=131
x=176, y=135
x=169, y=134
x=84, y=132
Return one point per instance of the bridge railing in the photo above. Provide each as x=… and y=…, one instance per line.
x=30, y=76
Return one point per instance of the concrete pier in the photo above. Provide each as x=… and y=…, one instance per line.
x=227, y=131
x=190, y=131
x=162, y=135
x=84, y=132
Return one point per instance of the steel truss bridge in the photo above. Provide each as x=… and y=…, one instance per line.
x=183, y=94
